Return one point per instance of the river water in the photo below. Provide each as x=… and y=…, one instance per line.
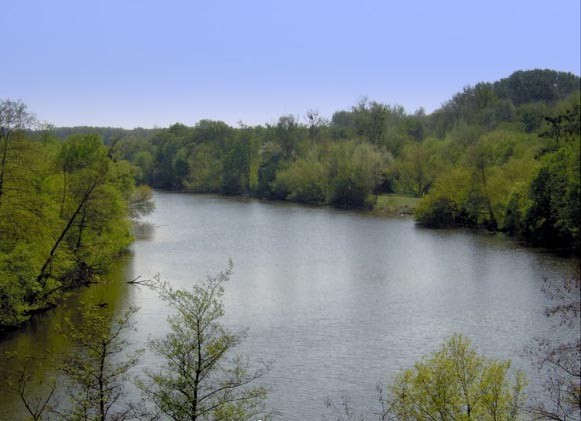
x=338, y=300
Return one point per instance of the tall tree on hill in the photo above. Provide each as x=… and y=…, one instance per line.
x=13, y=117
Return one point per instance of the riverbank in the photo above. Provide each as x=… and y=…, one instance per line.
x=395, y=205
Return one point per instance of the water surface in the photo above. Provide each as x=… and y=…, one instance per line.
x=338, y=300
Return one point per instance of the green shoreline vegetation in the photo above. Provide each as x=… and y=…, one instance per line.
x=503, y=156
x=65, y=211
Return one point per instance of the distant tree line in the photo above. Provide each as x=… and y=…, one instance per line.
x=502, y=155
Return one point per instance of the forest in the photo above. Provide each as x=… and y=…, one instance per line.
x=65, y=210
x=503, y=156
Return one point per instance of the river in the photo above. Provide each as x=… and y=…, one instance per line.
x=338, y=300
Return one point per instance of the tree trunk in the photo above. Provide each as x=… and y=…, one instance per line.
x=102, y=397
x=43, y=275
x=81, y=228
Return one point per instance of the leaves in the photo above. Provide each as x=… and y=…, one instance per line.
x=63, y=217
x=99, y=366
x=201, y=379
x=457, y=383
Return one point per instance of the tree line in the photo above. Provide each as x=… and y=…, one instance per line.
x=502, y=155
x=64, y=212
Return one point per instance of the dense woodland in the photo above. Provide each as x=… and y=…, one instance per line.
x=502, y=155
x=65, y=212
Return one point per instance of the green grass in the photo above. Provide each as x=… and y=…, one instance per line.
x=393, y=204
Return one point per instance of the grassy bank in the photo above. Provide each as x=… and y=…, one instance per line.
x=395, y=204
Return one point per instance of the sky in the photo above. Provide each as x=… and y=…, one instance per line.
x=142, y=63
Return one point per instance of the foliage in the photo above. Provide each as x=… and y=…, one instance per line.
x=354, y=170
x=561, y=361
x=201, y=379
x=13, y=118
x=21, y=381
x=457, y=383
x=303, y=180
x=489, y=157
x=141, y=202
x=545, y=85
x=99, y=366
x=553, y=216
x=63, y=213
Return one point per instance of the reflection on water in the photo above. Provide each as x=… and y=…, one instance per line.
x=339, y=300
x=143, y=230
x=41, y=345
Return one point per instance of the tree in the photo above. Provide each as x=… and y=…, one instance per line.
x=200, y=379
x=354, y=171
x=370, y=120
x=95, y=209
x=314, y=123
x=456, y=383
x=98, y=369
x=417, y=167
x=536, y=85
x=561, y=360
x=142, y=202
x=13, y=117
x=240, y=162
x=303, y=180
x=205, y=169
x=287, y=135
x=37, y=405
x=554, y=216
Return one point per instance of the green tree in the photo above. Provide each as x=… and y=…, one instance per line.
x=144, y=161
x=417, y=167
x=354, y=171
x=288, y=135
x=553, y=216
x=98, y=369
x=536, y=85
x=314, y=123
x=201, y=379
x=456, y=383
x=531, y=115
x=271, y=162
x=205, y=166
x=304, y=180
x=94, y=226
x=240, y=163
x=342, y=125
x=28, y=216
x=559, y=360
x=13, y=117
x=370, y=120
x=166, y=146
x=141, y=202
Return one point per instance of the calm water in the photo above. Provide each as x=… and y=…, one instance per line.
x=338, y=300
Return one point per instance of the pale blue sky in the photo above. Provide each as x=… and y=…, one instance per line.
x=143, y=63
